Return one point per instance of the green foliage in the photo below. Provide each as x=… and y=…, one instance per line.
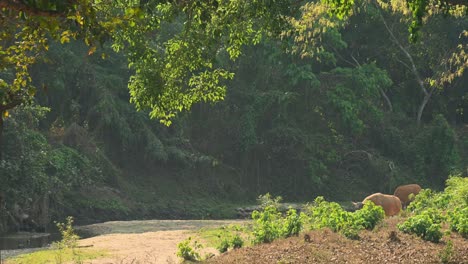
x=353, y=98
x=458, y=219
x=446, y=254
x=188, y=250
x=223, y=246
x=237, y=241
x=418, y=9
x=292, y=223
x=431, y=209
x=369, y=215
x=426, y=225
x=69, y=241
x=330, y=215
x=340, y=8
x=335, y=117
x=66, y=256
x=428, y=198
x=267, y=225
x=69, y=237
x=267, y=200
x=270, y=224
x=457, y=188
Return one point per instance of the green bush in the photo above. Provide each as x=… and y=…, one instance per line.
x=458, y=219
x=69, y=237
x=426, y=225
x=223, y=246
x=292, y=224
x=237, y=242
x=268, y=200
x=429, y=199
x=447, y=253
x=267, y=225
x=332, y=215
x=188, y=250
x=369, y=216
x=328, y=214
x=457, y=187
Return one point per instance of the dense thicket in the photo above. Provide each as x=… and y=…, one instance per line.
x=343, y=122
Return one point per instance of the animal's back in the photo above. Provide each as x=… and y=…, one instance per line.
x=390, y=203
x=404, y=191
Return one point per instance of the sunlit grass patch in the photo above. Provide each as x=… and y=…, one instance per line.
x=213, y=236
x=57, y=256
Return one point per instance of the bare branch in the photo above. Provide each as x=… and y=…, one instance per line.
x=408, y=55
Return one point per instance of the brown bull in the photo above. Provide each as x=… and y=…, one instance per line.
x=404, y=192
x=390, y=203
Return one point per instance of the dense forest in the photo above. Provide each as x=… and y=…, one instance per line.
x=322, y=106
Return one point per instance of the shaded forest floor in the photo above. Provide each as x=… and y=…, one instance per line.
x=383, y=245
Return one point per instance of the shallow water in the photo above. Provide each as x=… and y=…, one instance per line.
x=20, y=240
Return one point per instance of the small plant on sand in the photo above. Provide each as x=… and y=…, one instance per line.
x=69, y=236
x=188, y=250
x=237, y=242
x=69, y=239
x=446, y=254
x=223, y=246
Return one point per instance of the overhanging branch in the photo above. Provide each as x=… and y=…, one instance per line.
x=15, y=102
x=20, y=6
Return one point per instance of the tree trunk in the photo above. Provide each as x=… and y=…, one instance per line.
x=387, y=100
x=412, y=67
x=423, y=105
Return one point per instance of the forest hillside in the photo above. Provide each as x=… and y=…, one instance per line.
x=328, y=107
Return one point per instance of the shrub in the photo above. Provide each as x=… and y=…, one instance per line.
x=266, y=227
x=458, y=219
x=331, y=215
x=269, y=224
x=429, y=199
x=292, y=224
x=188, y=251
x=268, y=200
x=369, y=216
x=223, y=246
x=426, y=225
x=69, y=237
x=237, y=242
x=328, y=214
x=457, y=187
x=447, y=253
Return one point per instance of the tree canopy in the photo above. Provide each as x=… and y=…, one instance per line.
x=172, y=69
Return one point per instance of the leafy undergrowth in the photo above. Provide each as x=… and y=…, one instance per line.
x=383, y=245
x=57, y=256
x=214, y=236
